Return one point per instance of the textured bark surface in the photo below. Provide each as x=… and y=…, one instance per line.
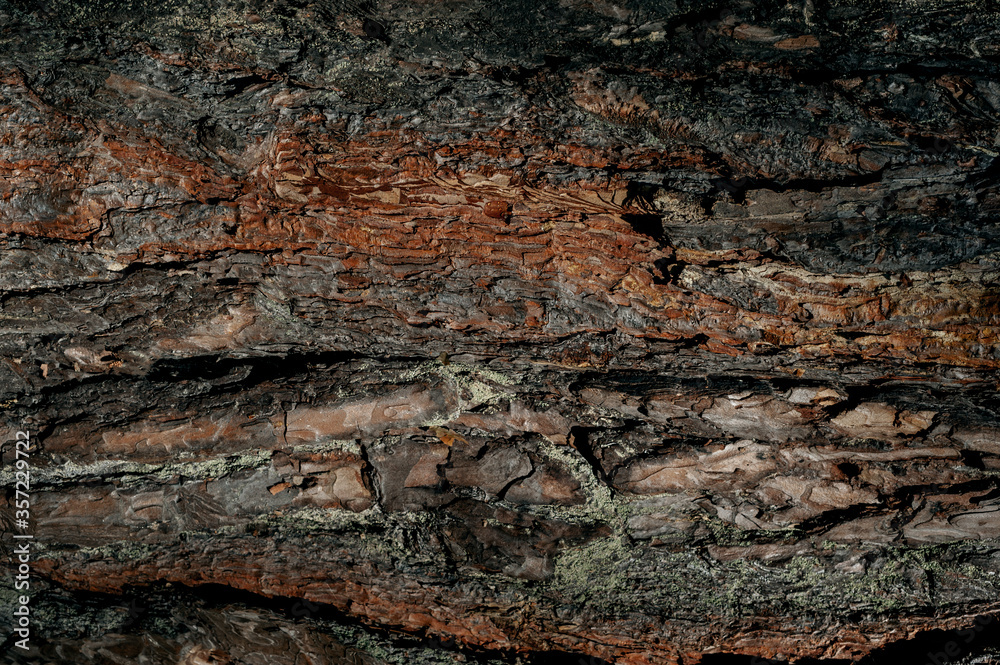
x=552, y=331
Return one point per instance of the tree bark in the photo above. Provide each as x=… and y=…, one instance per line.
x=538, y=331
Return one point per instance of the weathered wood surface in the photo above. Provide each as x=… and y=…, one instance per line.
x=640, y=331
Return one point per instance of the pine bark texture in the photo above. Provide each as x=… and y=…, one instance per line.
x=533, y=330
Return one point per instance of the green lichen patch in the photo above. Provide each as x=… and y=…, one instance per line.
x=131, y=474
x=373, y=533
x=122, y=551
x=350, y=446
x=611, y=576
x=474, y=386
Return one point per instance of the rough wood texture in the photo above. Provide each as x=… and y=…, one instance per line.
x=637, y=331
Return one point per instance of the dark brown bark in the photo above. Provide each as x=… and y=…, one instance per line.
x=649, y=332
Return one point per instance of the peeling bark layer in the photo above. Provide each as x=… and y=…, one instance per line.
x=650, y=332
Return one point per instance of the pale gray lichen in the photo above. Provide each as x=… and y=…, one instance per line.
x=121, y=551
x=614, y=573
x=350, y=446
x=473, y=386
x=136, y=473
